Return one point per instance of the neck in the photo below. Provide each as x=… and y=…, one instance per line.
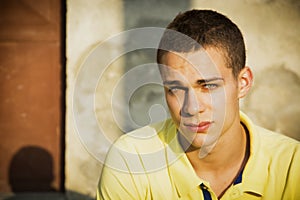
x=227, y=153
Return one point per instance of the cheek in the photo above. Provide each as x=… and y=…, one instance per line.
x=173, y=104
x=174, y=108
x=232, y=94
x=215, y=100
x=231, y=103
x=225, y=100
x=174, y=101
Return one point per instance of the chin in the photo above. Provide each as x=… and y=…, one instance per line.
x=195, y=142
x=203, y=141
x=198, y=141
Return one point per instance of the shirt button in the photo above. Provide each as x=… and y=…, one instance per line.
x=203, y=186
x=235, y=193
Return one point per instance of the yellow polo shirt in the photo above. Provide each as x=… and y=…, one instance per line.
x=149, y=163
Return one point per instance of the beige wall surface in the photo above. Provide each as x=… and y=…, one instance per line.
x=107, y=90
x=88, y=23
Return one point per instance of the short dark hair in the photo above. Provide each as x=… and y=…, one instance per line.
x=207, y=28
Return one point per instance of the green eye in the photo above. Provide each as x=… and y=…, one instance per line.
x=210, y=86
x=173, y=90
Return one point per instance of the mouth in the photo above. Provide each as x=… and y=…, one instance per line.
x=202, y=127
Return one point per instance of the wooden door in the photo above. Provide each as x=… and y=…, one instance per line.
x=31, y=95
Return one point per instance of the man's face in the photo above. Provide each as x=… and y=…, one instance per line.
x=202, y=95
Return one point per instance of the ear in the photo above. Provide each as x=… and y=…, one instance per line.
x=245, y=80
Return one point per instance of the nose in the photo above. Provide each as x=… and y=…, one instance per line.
x=191, y=105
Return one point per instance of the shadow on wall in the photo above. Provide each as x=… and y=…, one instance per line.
x=31, y=176
x=31, y=170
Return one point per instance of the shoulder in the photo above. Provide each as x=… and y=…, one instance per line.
x=274, y=141
x=144, y=138
x=269, y=142
x=283, y=155
x=275, y=159
x=134, y=164
x=136, y=150
x=272, y=151
x=279, y=152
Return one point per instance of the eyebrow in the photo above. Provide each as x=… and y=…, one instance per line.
x=172, y=83
x=200, y=81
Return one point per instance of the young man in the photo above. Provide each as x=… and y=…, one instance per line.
x=209, y=149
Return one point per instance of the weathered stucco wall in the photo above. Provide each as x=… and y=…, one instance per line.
x=271, y=33
x=88, y=23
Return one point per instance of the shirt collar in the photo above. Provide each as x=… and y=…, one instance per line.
x=256, y=170
x=181, y=171
x=188, y=180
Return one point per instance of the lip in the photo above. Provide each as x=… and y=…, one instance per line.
x=202, y=127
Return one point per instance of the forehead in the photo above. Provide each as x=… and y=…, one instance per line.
x=203, y=63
